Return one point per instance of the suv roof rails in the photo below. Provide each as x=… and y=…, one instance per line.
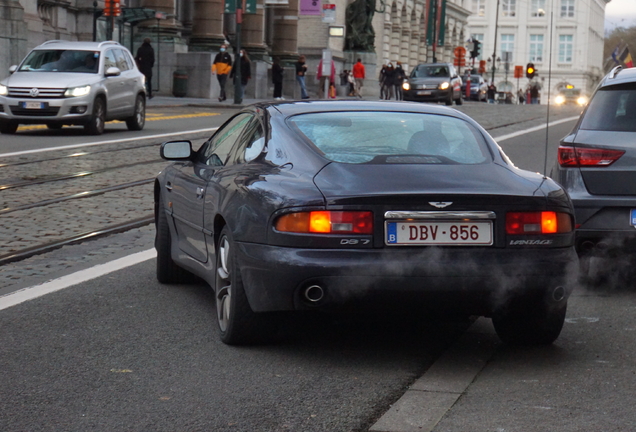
x=614, y=72
x=52, y=41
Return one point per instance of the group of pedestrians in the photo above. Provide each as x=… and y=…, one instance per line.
x=391, y=80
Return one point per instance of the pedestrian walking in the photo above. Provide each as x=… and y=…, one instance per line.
x=221, y=67
x=325, y=79
x=301, y=71
x=534, y=93
x=398, y=80
x=491, y=92
x=520, y=97
x=145, y=60
x=351, y=81
x=277, y=78
x=389, y=81
x=359, y=75
x=381, y=80
x=246, y=70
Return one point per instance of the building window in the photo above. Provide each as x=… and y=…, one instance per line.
x=509, y=7
x=480, y=38
x=479, y=7
x=565, y=48
x=537, y=8
x=507, y=45
x=536, y=48
x=567, y=8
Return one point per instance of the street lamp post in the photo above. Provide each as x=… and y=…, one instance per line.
x=494, y=53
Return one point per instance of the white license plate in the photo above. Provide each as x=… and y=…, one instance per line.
x=472, y=233
x=33, y=105
x=424, y=93
x=632, y=217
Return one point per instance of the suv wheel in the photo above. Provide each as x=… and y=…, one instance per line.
x=449, y=101
x=96, y=124
x=8, y=127
x=138, y=120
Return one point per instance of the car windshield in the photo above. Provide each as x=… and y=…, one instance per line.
x=393, y=137
x=612, y=108
x=572, y=93
x=423, y=71
x=474, y=80
x=61, y=61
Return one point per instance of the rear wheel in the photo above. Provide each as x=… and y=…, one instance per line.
x=9, y=127
x=167, y=271
x=138, y=120
x=97, y=121
x=238, y=324
x=530, y=326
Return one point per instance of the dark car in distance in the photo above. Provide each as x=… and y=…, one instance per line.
x=596, y=164
x=358, y=205
x=433, y=82
x=478, y=88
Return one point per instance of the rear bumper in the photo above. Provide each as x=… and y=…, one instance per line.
x=474, y=281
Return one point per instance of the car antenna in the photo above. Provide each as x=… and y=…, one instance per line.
x=547, y=120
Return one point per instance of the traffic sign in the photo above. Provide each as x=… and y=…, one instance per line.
x=518, y=71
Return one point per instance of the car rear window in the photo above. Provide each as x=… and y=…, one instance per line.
x=61, y=61
x=612, y=108
x=392, y=137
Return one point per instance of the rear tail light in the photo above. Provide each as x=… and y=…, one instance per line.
x=327, y=222
x=546, y=222
x=577, y=156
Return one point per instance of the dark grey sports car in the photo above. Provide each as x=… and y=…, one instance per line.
x=358, y=205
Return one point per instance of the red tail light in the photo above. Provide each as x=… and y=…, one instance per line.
x=538, y=223
x=327, y=222
x=576, y=156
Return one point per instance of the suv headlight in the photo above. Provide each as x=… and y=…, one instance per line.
x=77, y=91
x=559, y=100
x=4, y=90
x=444, y=85
x=581, y=100
x=406, y=86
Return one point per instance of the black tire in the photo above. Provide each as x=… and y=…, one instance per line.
x=238, y=324
x=540, y=326
x=459, y=100
x=8, y=127
x=98, y=119
x=54, y=126
x=167, y=271
x=449, y=101
x=138, y=120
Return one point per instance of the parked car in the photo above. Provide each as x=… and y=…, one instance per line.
x=433, y=82
x=597, y=166
x=74, y=83
x=570, y=96
x=478, y=88
x=365, y=205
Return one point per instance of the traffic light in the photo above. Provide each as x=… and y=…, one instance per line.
x=108, y=8
x=476, y=51
x=530, y=71
x=116, y=8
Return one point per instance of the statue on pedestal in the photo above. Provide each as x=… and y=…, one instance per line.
x=360, y=33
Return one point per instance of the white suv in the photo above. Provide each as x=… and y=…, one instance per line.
x=74, y=83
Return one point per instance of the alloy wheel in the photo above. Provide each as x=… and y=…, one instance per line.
x=224, y=285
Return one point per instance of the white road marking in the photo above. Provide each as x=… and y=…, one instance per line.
x=533, y=129
x=36, y=291
x=48, y=149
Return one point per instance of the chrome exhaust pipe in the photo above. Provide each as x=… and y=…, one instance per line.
x=558, y=294
x=314, y=293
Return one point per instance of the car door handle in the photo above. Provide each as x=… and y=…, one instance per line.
x=169, y=186
x=200, y=192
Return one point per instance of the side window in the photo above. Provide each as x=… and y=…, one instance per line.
x=219, y=147
x=254, y=143
x=109, y=60
x=122, y=61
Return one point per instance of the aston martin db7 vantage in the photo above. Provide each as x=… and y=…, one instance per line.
x=355, y=205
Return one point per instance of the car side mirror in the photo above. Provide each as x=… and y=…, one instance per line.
x=112, y=71
x=176, y=150
x=13, y=69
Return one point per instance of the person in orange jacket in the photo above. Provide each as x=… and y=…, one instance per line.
x=358, y=76
x=222, y=66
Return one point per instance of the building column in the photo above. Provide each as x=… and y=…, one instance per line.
x=285, y=40
x=253, y=35
x=207, y=25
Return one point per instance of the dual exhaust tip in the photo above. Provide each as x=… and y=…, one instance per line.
x=314, y=293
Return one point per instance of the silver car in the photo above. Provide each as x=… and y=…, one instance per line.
x=597, y=167
x=74, y=83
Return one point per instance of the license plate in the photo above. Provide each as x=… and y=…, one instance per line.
x=462, y=233
x=32, y=105
x=424, y=93
x=632, y=217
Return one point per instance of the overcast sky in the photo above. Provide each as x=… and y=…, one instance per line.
x=620, y=13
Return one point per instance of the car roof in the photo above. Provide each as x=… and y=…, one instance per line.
x=288, y=108
x=619, y=75
x=85, y=46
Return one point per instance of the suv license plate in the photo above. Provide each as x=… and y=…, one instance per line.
x=632, y=217
x=477, y=233
x=32, y=105
x=424, y=93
